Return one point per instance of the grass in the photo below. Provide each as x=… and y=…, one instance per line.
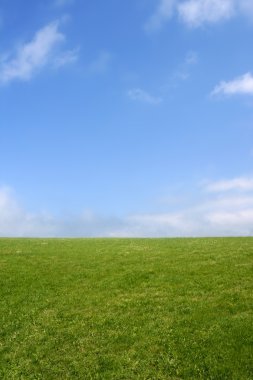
x=126, y=309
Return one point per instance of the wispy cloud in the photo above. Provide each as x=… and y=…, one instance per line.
x=32, y=56
x=1, y=19
x=162, y=14
x=240, y=183
x=183, y=70
x=101, y=63
x=191, y=58
x=63, y=3
x=66, y=57
x=242, y=85
x=246, y=7
x=140, y=95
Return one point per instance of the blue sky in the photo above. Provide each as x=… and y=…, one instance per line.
x=126, y=118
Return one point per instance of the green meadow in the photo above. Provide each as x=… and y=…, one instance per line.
x=126, y=309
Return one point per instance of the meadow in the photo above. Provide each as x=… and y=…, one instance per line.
x=126, y=309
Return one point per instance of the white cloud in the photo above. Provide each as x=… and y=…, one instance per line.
x=240, y=222
x=240, y=85
x=206, y=218
x=32, y=56
x=225, y=202
x=161, y=224
x=15, y=221
x=217, y=214
x=232, y=218
x=138, y=94
x=197, y=12
x=8, y=205
x=240, y=183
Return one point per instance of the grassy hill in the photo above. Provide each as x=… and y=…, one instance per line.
x=126, y=309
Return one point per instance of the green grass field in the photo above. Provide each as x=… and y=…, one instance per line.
x=126, y=309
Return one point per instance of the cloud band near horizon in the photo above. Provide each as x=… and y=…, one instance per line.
x=225, y=210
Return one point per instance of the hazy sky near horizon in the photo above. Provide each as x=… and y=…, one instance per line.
x=126, y=118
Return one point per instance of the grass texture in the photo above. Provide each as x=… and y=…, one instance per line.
x=126, y=309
